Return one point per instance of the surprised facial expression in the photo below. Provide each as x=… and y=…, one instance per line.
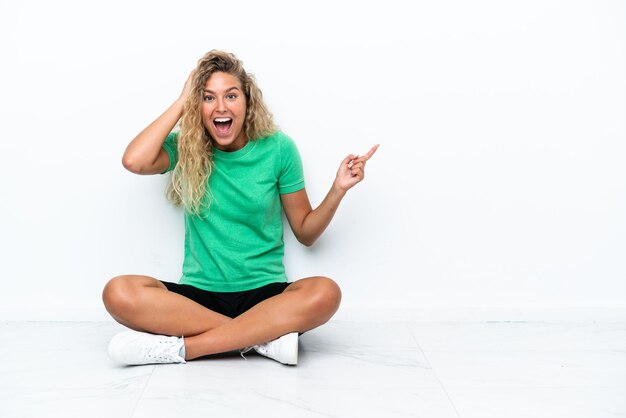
x=224, y=111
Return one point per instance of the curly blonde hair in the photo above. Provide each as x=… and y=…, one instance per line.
x=188, y=185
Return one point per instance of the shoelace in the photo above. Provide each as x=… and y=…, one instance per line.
x=244, y=351
x=261, y=347
x=162, y=350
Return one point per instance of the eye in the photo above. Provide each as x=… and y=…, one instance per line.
x=231, y=96
x=208, y=98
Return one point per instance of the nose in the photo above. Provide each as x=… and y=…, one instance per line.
x=221, y=105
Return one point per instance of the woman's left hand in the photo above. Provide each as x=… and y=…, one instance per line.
x=352, y=170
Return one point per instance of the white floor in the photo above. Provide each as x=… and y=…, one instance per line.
x=347, y=369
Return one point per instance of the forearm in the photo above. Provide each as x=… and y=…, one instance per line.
x=145, y=147
x=308, y=224
x=318, y=219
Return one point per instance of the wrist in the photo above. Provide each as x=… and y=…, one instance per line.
x=338, y=191
x=178, y=106
x=180, y=101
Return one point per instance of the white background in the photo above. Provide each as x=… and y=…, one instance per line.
x=499, y=182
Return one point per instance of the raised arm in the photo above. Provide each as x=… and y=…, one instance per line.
x=144, y=154
x=308, y=224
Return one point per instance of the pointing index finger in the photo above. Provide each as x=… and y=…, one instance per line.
x=370, y=153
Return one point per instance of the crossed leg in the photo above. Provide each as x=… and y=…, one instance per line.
x=144, y=304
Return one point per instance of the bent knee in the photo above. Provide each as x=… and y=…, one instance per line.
x=115, y=294
x=120, y=293
x=326, y=296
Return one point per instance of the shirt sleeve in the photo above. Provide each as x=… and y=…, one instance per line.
x=292, y=174
x=171, y=147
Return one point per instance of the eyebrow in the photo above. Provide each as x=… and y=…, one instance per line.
x=227, y=90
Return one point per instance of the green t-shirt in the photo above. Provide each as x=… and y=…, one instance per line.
x=237, y=243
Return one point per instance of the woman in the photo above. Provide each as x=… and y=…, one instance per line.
x=233, y=172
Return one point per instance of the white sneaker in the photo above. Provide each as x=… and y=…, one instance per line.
x=134, y=348
x=283, y=350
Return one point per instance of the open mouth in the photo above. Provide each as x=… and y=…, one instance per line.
x=222, y=125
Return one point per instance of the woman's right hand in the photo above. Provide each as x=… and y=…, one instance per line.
x=145, y=153
x=188, y=86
